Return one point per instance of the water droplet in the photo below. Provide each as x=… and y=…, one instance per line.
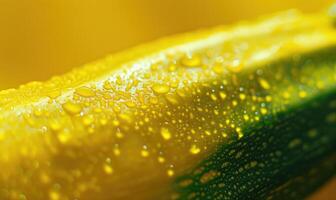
x=119, y=135
x=264, y=84
x=172, y=98
x=160, y=88
x=107, y=168
x=170, y=172
x=207, y=133
x=107, y=85
x=165, y=133
x=88, y=120
x=44, y=178
x=194, y=149
x=144, y=152
x=234, y=103
x=302, y=94
x=161, y=159
x=242, y=96
x=263, y=111
x=64, y=137
x=53, y=195
x=54, y=94
x=116, y=151
x=218, y=69
x=222, y=95
x=72, y=108
x=268, y=98
x=286, y=95
x=55, y=126
x=130, y=104
x=85, y=92
x=236, y=66
x=125, y=117
x=191, y=61
x=213, y=97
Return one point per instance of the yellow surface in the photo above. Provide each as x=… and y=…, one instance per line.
x=43, y=38
x=113, y=128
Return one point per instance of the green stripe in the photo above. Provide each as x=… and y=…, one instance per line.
x=284, y=156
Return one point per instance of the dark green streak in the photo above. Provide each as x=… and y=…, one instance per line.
x=284, y=156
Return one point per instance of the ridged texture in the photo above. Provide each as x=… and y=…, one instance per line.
x=238, y=112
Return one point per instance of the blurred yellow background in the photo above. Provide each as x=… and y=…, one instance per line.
x=41, y=38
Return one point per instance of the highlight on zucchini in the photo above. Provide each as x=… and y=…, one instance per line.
x=241, y=112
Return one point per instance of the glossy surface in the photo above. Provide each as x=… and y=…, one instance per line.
x=129, y=126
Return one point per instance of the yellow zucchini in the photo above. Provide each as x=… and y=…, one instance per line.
x=241, y=112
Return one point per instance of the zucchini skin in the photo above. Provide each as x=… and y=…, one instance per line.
x=160, y=121
x=286, y=155
x=281, y=158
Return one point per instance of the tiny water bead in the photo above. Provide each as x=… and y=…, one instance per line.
x=264, y=84
x=54, y=195
x=64, y=137
x=194, y=149
x=218, y=69
x=85, y=92
x=107, y=167
x=191, y=61
x=222, y=95
x=263, y=111
x=55, y=126
x=54, y=94
x=302, y=94
x=72, y=108
x=161, y=159
x=166, y=133
x=170, y=172
x=160, y=88
x=213, y=97
x=144, y=153
x=235, y=66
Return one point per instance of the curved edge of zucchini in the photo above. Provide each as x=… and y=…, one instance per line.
x=284, y=156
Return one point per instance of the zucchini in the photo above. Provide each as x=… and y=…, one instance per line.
x=241, y=112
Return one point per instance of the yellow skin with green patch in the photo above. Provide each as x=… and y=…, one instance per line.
x=127, y=126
